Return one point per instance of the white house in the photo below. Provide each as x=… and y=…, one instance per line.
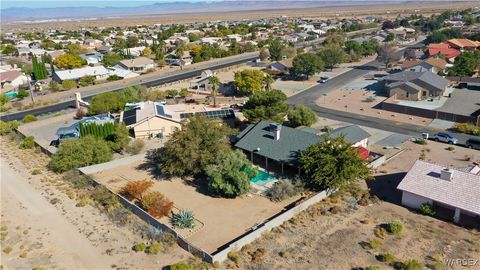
x=12, y=78
x=139, y=64
x=455, y=191
x=122, y=73
x=135, y=51
x=99, y=72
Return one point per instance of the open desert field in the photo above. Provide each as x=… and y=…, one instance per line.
x=387, y=10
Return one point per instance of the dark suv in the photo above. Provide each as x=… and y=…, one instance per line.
x=473, y=143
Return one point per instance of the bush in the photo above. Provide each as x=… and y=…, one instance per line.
x=36, y=172
x=156, y=204
x=372, y=267
x=180, y=266
x=421, y=141
x=426, y=209
x=386, y=257
x=68, y=84
x=7, y=249
x=375, y=243
x=450, y=148
x=395, y=227
x=104, y=198
x=413, y=265
x=283, y=189
x=28, y=143
x=140, y=247
x=77, y=180
x=136, y=189
x=75, y=153
x=370, y=99
x=155, y=248
x=301, y=115
x=184, y=219
x=8, y=127
x=168, y=240
x=234, y=256
x=468, y=128
x=80, y=113
x=135, y=147
x=29, y=118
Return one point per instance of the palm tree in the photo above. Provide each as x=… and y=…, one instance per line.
x=179, y=54
x=214, y=82
x=268, y=80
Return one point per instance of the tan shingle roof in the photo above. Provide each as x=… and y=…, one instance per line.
x=436, y=62
x=463, y=191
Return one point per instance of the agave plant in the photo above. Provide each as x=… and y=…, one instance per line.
x=184, y=219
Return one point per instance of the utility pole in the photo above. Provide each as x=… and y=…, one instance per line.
x=30, y=89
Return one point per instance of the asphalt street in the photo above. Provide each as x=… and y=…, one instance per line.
x=176, y=76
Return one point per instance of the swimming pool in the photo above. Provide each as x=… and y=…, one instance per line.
x=10, y=94
x=261, y=178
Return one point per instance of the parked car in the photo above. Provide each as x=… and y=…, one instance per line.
x=446, y=138
x=473, y=143
x=323, y=79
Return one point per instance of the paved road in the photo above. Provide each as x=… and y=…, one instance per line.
x=309, y=96
x=149, y=82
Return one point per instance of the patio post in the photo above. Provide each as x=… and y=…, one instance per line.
x=266, y=164
x=456, y=216
x=282, y=167
x=251, y=156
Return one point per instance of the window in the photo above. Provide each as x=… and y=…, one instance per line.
x=424, y=93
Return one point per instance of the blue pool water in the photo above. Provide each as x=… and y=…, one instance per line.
x=262, y=178
x=10, y=94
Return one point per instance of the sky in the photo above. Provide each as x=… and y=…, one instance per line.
x=83, y=3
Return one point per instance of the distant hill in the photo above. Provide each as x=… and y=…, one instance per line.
x=18, y=14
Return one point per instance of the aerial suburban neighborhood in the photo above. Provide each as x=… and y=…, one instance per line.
x=240, y=135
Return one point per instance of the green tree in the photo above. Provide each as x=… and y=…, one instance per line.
x=86, y=80
x=195, y=146
x=301, y=115
x=69, y=61
x=75, y=153
x=268, y=105
x=275, y=48
x=465, y=64
x=118, y=139
x=249, y=81
x=369, y=47
x=268, y=80
x=331, y=55
x=306, y=64
x=229, y=176
x=332, y=163
x=214, y=83
x=75, y=49
x=68, y=84
x=9, y=50
x=111, y=59
x=390, y=37
x=353, y=46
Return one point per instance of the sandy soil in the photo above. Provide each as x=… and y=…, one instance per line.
x=392, y=10
x=355, y=101
x=221, y=220
x=41, y=220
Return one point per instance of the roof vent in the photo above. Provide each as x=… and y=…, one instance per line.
x=446, y=174
x=275, y=128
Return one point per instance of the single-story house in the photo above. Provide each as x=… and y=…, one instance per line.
x=432, y=64
x=122, y=73
x=411, y=85
x=275, y=143
x=139, y=64
x=436, y=49
x=99, y=72
x=12, y=78
x=92, y=58
x=449, y=190
x=354, y=134
x=281, y=67
x=135, y=51
x=463, y=44
x=153, y=119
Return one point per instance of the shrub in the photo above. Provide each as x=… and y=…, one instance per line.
x=468, y=128
x=8, y=127
x=372, y=267
x=375, y=243
x=370, y=99
x=104, y=198
x=29, y=118
x=156, y=204
x=386, y=257
x=168, y=240
x=426, y=209
x=282, y=189
x=28, y=143
x=80, y=113
x=36, y=172
x=380, y=232
x=135, y=147
x=7, y=249
x=23, y=255
x=413, y=265
x=77, y=180
x=234, y=256
x=183, y=219
x=113, y=77
x=395, y=227
x=68, y=84
x=450, y=148
x=140, y=247
x=180, y=266
x=155, y=248
x=136, y=189
x=421, y=141
x=75, y=153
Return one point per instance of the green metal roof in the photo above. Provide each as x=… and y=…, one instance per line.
x=287, y=149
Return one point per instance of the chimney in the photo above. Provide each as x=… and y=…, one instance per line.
x=276, y=128
x=446, y=174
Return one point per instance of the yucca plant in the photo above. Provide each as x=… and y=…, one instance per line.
x=184, y=219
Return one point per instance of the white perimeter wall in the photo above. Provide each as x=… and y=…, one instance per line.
x=413, y=201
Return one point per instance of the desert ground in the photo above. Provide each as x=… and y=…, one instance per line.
x=336, y=233
x=42, y=226
x=390, y=10
x=219, y=220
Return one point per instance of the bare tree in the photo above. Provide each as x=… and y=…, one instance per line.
x=387, y=54
x=264, y=54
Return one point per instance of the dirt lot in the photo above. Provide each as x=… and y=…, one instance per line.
x=221, y=220
x=44, y=227
x=355, y=100
x=336, y=233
